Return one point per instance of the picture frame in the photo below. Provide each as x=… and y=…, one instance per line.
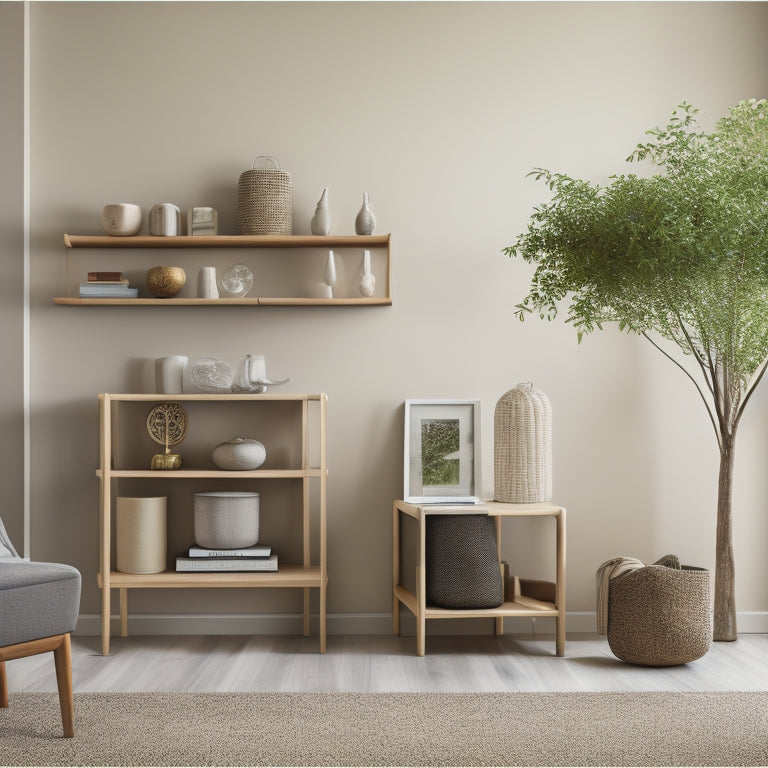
x=441, y=452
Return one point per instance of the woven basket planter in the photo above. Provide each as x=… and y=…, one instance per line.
x=265, y=201
x=522, y=446
x=658, y=616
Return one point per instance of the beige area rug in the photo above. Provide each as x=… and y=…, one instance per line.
x=403, y=729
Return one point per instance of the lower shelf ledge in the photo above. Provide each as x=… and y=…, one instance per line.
x=523, y=607
x=285, y=576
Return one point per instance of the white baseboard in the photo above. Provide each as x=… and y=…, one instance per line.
x=577, y=622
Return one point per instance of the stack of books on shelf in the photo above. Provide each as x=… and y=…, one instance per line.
x=256, y=558
x=107, y=285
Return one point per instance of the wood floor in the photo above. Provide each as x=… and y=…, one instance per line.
x=383, y=663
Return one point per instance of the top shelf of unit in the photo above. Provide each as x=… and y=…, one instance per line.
x=227, y=241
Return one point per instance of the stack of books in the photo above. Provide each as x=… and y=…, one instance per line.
x=107, y=285
x=256, y=558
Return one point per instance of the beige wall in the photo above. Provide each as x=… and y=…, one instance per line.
x=12, y=256
x=438, y=110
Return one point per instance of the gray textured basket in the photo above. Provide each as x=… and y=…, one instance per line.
x=462, y=562
x=522, y=446
x=265, y=200
x=660, y=616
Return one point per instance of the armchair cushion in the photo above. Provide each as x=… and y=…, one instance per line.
x=37, y=600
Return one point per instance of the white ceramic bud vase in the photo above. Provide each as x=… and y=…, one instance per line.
x=321, y=221
x=330, y=272
x=365, y=222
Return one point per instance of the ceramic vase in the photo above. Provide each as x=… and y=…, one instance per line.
x=321, y=221
x=365, y=222
x=207, y=287
x=169, y=374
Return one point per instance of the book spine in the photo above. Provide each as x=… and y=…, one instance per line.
x=234, y=564
x=104, y=276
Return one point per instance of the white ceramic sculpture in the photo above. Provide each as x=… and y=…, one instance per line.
x=321, y=221
x=330, y=271
x=365, y=222
x=367, y=279
x=206, y=283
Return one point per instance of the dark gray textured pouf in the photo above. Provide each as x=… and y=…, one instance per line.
x=462, y=562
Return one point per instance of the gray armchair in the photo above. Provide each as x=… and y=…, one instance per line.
x=39, y=603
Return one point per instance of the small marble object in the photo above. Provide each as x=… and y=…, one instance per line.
x=365, y=222
x=202, y=221
x=164, y=220
x=121, y=219
x=321, y=221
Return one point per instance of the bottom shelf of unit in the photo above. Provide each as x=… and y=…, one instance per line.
x=522, y=606
x=286, y=576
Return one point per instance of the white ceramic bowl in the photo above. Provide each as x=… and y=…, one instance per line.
x=121, y=219
x=226, y=519
x=241, y=453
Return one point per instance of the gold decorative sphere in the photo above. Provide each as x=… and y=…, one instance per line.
x=164, y=282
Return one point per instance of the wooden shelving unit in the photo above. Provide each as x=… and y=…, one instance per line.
x=305, y=575
x=514, y=605
x=187, y=242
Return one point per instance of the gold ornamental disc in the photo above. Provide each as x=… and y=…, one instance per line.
x=167, y=424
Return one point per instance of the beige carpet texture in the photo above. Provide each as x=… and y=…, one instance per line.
x=409, y=729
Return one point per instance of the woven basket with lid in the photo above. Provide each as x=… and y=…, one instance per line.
x=265, y=200
x=522, y=446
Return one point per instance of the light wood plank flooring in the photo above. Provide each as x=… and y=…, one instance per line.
x=383, y=663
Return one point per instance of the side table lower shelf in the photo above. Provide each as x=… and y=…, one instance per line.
x=287, y=576
x=519, y=606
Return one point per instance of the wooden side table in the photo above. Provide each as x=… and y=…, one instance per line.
x=513, y=605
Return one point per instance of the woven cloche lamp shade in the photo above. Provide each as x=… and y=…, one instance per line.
x=522, y=446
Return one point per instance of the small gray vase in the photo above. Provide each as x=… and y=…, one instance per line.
x=365, y=222
x=321, y=221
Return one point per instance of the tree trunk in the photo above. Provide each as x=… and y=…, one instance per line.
x=725, y=596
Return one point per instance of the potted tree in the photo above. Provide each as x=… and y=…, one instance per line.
x=679, y=257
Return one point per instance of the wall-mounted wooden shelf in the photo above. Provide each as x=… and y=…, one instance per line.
x=179, y=244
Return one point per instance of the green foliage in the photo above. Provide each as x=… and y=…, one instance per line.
x=683, y=253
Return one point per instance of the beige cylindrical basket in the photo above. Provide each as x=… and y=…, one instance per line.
x=522, y=446
x=141, y=534
x=265, y=200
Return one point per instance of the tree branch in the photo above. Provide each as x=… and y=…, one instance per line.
x=695, y=384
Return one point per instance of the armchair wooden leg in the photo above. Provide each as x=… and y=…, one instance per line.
x=63, y=660
x=3, y=686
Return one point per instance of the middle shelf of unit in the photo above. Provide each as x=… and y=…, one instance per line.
x=197, y=474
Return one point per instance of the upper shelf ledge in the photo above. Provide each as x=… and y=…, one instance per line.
x=225, y=241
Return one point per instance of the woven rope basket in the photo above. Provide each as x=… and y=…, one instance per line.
x=265, y=200
x=522, y=446
x=658, y=616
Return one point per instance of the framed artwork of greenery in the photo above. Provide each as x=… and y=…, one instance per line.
x=442, y=451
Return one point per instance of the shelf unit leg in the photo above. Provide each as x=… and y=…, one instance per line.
x=560, y=595
x=421, y=590
x=123, y=612
x=322, y=619
x=499, y=625
x=306, y=611
x=395, y=568
x=105, y=618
